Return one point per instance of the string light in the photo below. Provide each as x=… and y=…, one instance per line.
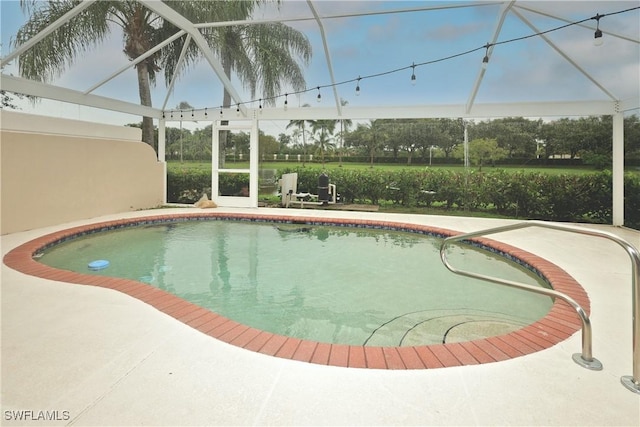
x=238, y=110
x=192, y=110
x=597, y=37
x=485, y=60
x=205, y=111
x=180, y=113
x=598, y=40
x=413, y=74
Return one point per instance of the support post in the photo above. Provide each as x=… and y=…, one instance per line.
x=162, y=144
x=618, y=170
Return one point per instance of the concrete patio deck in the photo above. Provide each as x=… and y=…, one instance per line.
x=100, y=357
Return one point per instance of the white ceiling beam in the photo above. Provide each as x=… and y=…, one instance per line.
x=483, y=66
x=56, y=93
x=327, y=55
x=48, y=30
x=630, y=104
x=488, y=110
x=567, y=21
x=183, y=53
x=181, y=22
x=347, y=15
x=136, y=61
x=564, y=55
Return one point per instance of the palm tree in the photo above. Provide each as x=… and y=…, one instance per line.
x=301, y=125
x=325, y=129
x=344, y=127
x=263, y=56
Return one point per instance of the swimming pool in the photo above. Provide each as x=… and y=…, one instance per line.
x=556, y=326
x=340, y=285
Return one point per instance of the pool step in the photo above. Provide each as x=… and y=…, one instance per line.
x=442, y=326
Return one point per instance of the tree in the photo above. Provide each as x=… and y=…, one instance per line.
x=268, y=145
x=283, y=140
x=517, y=135
x=7, y=100
x=345, y=125
x=323, y=131
x=369, y=137
x=262, y=55
x=182, y=106
x=482, y=151
x=301, y=125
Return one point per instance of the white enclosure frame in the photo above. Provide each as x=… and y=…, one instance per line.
x=235, y=201
x=614, y=105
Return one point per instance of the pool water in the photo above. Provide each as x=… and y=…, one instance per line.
x=343, y=285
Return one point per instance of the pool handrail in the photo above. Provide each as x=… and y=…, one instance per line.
x=585, y=359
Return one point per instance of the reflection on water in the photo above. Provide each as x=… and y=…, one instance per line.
x=330, y=284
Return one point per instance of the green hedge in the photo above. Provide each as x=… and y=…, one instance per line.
x=521, y=194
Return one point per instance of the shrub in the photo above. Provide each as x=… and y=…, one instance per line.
x=522, y=194
x=187, y=185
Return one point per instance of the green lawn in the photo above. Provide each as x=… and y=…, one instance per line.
x=576, y=170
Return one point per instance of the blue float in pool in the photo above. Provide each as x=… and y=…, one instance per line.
x=98, y=264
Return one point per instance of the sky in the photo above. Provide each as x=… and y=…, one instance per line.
x=526, y=70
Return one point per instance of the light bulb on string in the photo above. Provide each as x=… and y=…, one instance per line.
x=413, y=74
x=286, y=102
x=205, y=111
x=485, y=60
x=172, y=114
x=358, y=86
x=597, y=37
x=238, y=110
x=192, y=112
x=319, y=97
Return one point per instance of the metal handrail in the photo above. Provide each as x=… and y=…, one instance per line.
x=585, y=359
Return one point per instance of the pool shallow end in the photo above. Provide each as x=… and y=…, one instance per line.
x=560, y=323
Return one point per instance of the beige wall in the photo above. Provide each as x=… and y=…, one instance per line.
x=57, y=170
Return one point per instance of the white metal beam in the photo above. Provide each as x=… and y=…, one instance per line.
x=630, y=103
x=590, y=27
x=564, y=55
x=327, y=55
x=47, y=91
x=480, y=111
x=48, y=30
x=496, y=32
x=181, y=22
x=183, y=53
x=617, y=172
x=136, y=61
x=348, y=15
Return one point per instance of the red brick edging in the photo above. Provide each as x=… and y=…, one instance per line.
x=559, y=324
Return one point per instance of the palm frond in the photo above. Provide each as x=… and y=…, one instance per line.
x=52, y=55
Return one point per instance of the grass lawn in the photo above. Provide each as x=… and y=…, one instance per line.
x=575, y=170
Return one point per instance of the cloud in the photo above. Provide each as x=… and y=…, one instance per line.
x=451, y=31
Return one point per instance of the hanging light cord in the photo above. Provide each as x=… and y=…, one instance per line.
x=597, y=18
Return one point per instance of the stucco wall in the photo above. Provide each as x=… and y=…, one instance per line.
x=56, y=170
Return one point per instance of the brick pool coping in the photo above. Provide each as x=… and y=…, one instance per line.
x=559, y=324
